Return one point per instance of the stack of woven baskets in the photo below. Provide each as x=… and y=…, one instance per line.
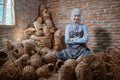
x=34, y=57
x=43, y=31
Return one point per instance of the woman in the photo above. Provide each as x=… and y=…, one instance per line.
x=76, y=37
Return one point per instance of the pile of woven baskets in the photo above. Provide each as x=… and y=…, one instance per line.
x=34, y=57
x=44, y=33
x=94, y=66
x=22, y=61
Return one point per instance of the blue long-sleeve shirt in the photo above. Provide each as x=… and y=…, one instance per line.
x=76, y=39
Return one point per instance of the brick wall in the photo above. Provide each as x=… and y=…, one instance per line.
x=101, y=16
x=26, y=11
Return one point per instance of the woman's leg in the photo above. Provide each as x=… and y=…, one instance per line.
x=60, y=56
x=85, y=52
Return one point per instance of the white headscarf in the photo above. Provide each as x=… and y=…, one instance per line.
x=76, y=10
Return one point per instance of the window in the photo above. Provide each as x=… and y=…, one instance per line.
x=7, y=13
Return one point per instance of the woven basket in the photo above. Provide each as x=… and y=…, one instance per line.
x=7, y=45
x=10, y=72
x=3, y=57
x=70, y=63
x=44, y=51
x=18, y=50
x=59, y=63
x=100, y=72
x=45, y=13
x=46, y=31
x=42, y=41
x=83, y=71
x=52, y=30
x=58, y=40
x=36, y=61
x=39, y=33
x=45, y=71
x=67, y=71
x=49, y=23
x=95, y=64
x=29, y=46
x=23, y=60
x=49, y=58
x=89, y=58
x=28, y=73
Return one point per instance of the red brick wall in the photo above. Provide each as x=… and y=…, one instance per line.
x=101, y=16
x=26, y=11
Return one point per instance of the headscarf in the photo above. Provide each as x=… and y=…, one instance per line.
x=76, y=10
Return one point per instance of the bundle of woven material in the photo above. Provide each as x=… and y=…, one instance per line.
x=43, y=64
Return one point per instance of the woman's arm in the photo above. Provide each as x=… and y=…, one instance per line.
x=67, y=35
x=84, y=39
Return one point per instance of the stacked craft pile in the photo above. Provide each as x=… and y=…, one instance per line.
x=44, y=33
x=34, y=58
x=94, y=66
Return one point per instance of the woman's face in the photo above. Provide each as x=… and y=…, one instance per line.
x=76, y=17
